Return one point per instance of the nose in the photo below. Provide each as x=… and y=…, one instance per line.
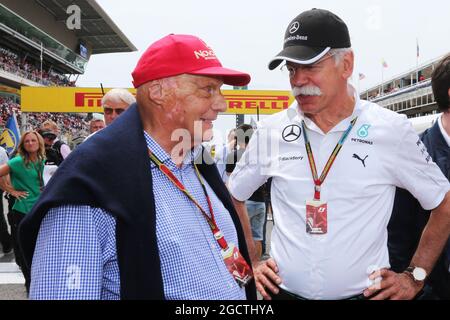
x=219, y=104
x=300, y=78
x=113, y=115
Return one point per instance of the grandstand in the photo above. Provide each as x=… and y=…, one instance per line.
x=409, y=93
x=38, y=48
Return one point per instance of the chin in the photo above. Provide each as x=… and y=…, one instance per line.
x=207, y=135
x=309, y=107
x=207, y=129
x=310, y=102
x=207, y=126
x=305, y=108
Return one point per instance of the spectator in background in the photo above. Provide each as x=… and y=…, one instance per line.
x=96, y=125
x=5, y=237
x=56, y=150
x=26, y=172
x=408, y=217
x=115, y=102
x=222, y=153
x=256, y=207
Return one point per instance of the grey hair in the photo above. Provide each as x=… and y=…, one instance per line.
x=119, y=95
x=96, y=120
x=338, y=54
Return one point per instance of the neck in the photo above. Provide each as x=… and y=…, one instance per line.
x=162, y=133
x=33, y=157
x=328, y=118
x=446, y=122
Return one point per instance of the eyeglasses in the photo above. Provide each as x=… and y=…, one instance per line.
x=109, y=110
x=308, y=68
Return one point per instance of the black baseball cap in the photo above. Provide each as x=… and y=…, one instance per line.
x=47, y=134
x=310, y=36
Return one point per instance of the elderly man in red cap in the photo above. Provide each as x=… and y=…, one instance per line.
x=138, y=211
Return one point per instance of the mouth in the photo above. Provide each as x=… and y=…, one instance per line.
x=208, y=121
x=304, y=97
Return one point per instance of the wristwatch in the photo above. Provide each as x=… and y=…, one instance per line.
x=418, y=274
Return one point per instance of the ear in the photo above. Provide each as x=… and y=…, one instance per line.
x=155, y=92
x=348, y=63
x=448, y=92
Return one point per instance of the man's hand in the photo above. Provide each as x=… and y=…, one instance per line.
x=393, y=286
x=266, y=277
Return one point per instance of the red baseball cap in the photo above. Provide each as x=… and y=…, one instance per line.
x=177, y=54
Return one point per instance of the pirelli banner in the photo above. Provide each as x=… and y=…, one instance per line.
x=67, y=99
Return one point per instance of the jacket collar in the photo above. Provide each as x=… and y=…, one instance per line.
x=437, y=138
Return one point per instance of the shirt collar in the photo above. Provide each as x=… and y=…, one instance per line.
x=443, y=132
x=165, y=158
x=340, y=127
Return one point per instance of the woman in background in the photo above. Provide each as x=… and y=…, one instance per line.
x=26, y=171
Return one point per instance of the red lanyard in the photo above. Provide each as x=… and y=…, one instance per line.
x=318, y=181
x=211, y=221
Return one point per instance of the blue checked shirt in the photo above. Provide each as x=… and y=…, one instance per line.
x=75, y=255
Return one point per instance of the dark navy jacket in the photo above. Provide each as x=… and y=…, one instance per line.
x=111, y=171
x=409, y=219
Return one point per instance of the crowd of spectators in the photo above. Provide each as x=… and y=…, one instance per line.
x=71, y=125
x=13, y=63
x=7, y=107
x=390, y=88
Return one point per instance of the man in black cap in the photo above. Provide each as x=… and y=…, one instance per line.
x=55, y=150
x=334, y=175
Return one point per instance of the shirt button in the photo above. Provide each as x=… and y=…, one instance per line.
x=230, y=284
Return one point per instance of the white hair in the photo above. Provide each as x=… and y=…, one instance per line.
x=338, y=54
x=96, y=120
x=306, y=90
x=98, y=116
x=119, y=95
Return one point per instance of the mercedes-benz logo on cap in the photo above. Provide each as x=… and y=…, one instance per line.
x=294, y=27
x=291, y=133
